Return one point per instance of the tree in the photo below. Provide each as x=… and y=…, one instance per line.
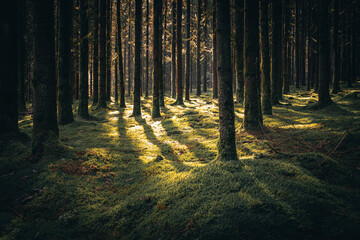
x=108, y=48
x=204, y=86
x=227, y=145
x=276, y=54
x=45, y=127
x=21, y=56
x=84, y=60
x=8, y=69
x=179, y=70
x=187, y=60
x=173, y=51
x=121, y=62
x=64, y=49
x=96, y=53
x=198, y=57
x=214, y=56
x=265, y=59
x=252, y=114
x=324, y=52
x=137, y=73
x=102, y=41
x=157, y=58
x=147, y=51
x=336, y=50
x=239, y=44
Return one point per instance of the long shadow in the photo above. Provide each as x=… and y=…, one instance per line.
x=173, y=131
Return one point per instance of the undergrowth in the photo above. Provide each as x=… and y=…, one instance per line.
x=118, y=177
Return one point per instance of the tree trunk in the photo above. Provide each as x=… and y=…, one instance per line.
x=137, y=69
x=324, y=70
x=297, y=42
x=8, y=69
x=108, y=48
x=21, y=56
x=188, y=63
x=265, y=59
x=198, y=57
x=156, y=59
x=102, y=38
x=173, y=52
x=179, y=69
x=252, y=114
x=214, y=63
x=147, y=51
x=227, y=145
x=276, y=54
x=45, y=127
x=161, y=74
x=205, y=47
x=64, y=61
x=239, y=46
x=336, y=50
x=121, y=62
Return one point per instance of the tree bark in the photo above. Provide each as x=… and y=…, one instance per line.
x=137, y=69
x=227, y=145
x=108, y=48
x=214, y=63
x=156, y=59
x=179, y=69
x=252, y=115
x=96, y=53
x=102, y=38
x=188, y=63
x=45, y=127
x=198, y=56
x=121, y=62
x=173, y=52
x=239, y=45
x=336, y=50
x=265, y=60
x=276, y=51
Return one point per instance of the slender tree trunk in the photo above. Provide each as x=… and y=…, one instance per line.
x=45, y=127
x=265, y=59
x=287, y=57
x=173, y=52
x=137, y=69
x=276, y=51
x=188, y=63
x=214, y=64
x=161, y=74
x=121, y=62
x=239, y=45
x=21, y=56
x=324, y=76
x=102, y=38
x=252, y=115
x=198, y=57
x=179, y=69
x=64, y=60
x=156, y=58
x=205, y=47
x=8, y=69
x=297, y=42
x=336, y=50
x=227, y=145
x=84, y=60
x=108, y=48
x=147, y=51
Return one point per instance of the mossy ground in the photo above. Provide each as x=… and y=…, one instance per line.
x=135, y=178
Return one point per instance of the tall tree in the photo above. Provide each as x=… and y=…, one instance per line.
x=187, y=60
x=102, y=41
x=265, y=59
x=227, y=145
x=21, y=56
x=137, y=69
x=8, y=69
x=276, y=54
x=173, y=51
x=161, y=74
x=324, y=55
x=336, y=50
x=214, y=56
x=156, y=59
x=179, y=69
x=108, y=48
x=198, y=44
x=252, y=115
x=121, y=62
x=45, y=127
x=204, y=86
x=239, y=39
x=64, y=50
x=84, y=60
x=147, y=51
x=96, y=53
x=297, y=43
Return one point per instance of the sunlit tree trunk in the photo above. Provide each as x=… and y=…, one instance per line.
x=214, y=56
x=96, y=53
x=156, y=59
x=198, y=56
x=173, y=52
x=108, y=48
x=121, y=62
x=188, y=63
x=227, y=145
x=137, y=69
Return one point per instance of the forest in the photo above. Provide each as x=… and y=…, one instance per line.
x=180, y=119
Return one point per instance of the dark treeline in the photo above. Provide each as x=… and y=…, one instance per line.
x=56, y=53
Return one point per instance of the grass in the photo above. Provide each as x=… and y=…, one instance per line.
x=135, y=178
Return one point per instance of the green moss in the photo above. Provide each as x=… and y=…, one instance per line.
x=120, y=177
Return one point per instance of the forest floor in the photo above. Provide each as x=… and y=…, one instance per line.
x=135, y=178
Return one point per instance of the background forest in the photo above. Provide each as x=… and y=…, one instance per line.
x=179, y=119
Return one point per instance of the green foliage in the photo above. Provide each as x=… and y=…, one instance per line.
x=120, y=177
